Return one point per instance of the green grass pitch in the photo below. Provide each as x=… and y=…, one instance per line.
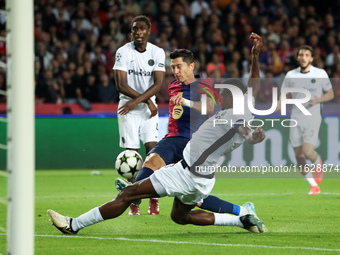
x=297, y=223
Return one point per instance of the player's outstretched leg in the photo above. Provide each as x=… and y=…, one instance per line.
x=63, y=223
x=109, y=210
x=122, y=184
x=215, y=204
x=183, y=214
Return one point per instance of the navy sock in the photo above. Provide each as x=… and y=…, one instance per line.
x=215, y=204
x=144, y=173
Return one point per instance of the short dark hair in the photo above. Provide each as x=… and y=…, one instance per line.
x=187, y=55
x=142, y=18
x=237, y=83
x=306, y=47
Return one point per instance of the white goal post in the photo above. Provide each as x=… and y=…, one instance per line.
x=20, y=126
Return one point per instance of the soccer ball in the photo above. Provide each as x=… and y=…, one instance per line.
x=128, y=163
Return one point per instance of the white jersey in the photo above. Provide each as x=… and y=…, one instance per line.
x=217, y=136
x=316, y=81
x=140, y=68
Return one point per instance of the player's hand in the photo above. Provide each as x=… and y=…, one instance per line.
x=258, y=135
x=177, y=100
x=314, y=101
x=152, y=108
x=128, y=106
x=257, y=43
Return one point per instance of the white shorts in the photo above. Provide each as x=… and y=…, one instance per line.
x=304, y=132
x=174, y=181
x=134, y=127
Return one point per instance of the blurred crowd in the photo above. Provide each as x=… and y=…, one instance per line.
x=76, y=41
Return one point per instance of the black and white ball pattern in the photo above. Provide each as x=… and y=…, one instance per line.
x=128, y=163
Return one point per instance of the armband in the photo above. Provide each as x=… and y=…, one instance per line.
x=188, y=103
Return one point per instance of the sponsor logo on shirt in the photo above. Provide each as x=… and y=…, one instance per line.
x=161, y=65
x=140, y=72
x=177, y=112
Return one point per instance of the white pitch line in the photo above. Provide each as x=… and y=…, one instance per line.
x=333, y=194
x=190, y=243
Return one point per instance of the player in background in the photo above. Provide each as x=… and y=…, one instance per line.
x=304, y=136
x=139, y=74
x=182, y=180
x=184, y=119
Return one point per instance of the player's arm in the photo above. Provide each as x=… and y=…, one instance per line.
x=254, y=74
x=328, y=96
x=251, y=136
x=124, y=88
x=158, y=78
x=196, y=105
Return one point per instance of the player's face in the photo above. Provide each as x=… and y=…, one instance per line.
x=140, y=32
x=183, y=72
x=305, y=58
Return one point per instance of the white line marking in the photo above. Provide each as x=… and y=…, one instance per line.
x=191, y=243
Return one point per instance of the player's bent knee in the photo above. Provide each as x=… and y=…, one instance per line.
x=154, y=162
x=179, y=218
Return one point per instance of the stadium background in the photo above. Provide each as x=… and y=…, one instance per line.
x=75, y=44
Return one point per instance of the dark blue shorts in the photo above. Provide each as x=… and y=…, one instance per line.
x=171, y=148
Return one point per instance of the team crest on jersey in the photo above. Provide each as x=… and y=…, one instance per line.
x=151, y=62
x=313, y=81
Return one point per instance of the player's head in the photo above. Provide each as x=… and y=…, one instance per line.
x=226, y=95
x=183, y=65
x=140, y=30
x=305, y=56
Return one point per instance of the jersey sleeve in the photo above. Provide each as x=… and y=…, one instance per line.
x=326, y=83
x=121, y=60
x=160, y=60
x=285, y=82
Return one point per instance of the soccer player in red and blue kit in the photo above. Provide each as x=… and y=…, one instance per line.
x=185, y=118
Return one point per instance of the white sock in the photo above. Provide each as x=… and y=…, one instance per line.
x=243, y=211
x=222, y=219
x=89, y=218
x=310, y=179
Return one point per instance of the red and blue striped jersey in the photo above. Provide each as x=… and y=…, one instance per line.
x=184, y=121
